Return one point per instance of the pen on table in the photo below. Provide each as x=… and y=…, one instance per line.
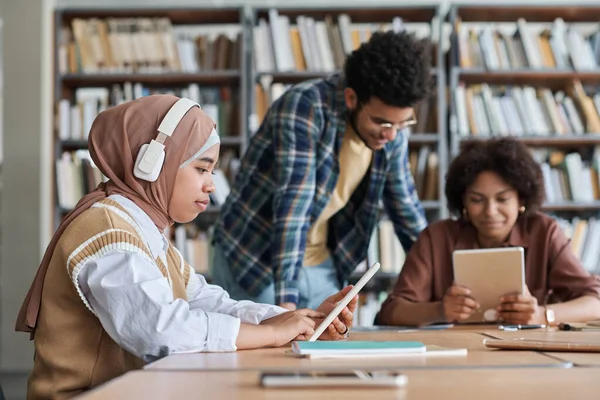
x=520, y=327
x=564, y=327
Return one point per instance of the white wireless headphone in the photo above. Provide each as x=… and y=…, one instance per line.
x=151, y=156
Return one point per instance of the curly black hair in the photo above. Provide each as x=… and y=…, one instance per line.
x=394, y=67
x=507, y=157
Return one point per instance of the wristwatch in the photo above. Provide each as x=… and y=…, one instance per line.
x=550, y=318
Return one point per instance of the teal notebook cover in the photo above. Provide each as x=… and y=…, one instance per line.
x=356, y=346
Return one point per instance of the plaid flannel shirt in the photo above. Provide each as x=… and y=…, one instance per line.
x=286, y=178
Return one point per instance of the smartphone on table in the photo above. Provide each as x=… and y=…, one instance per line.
x=355, y=378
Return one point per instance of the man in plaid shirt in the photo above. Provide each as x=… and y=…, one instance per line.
x=307, y=198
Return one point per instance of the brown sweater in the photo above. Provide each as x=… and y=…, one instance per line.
x=73, y=352
x=550, y=264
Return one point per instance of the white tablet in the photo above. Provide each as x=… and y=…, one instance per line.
x=344, y=302
x=489, y=274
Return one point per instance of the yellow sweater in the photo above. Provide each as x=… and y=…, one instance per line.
x=73, y=352
x=354, y=161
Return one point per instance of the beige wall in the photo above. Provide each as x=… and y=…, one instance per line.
x=25, y=185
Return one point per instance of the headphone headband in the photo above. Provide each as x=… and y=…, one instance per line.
x=175, y=115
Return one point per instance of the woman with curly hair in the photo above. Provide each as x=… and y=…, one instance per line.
x=495, y=188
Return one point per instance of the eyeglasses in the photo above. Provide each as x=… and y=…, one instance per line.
x=388, y=125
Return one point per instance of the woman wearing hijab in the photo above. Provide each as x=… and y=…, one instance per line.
x=112, y=292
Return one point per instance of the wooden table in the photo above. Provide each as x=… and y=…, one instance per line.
x=513, y=384
x=478, y=356
x=578, y=359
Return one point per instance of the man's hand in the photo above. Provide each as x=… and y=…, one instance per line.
x=343, y=322
x=289, y=306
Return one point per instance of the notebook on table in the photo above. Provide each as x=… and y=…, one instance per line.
x=542, y=345
x=357, y=347
x=381, y=350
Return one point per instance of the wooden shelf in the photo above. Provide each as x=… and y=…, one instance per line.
x=64, y=211
x=378, y=275
x=572, y=206
x=207, y=77
x=536, y=77
x=555, y=140
x=299, y=76
x=423, y=138
x=212, y=210
x=67, y=145
x=415, y=12
x=430, y=204
x=231, y=141
x=293, y=76
x=178, y=15
x=537, y=13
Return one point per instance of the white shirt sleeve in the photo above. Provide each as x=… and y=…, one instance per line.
x=204, y=296
x=135, y=305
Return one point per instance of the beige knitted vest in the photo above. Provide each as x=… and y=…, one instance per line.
x=73, y=352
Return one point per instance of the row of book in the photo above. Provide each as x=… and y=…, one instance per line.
x=194, y=246
x=527, y=45
x=127, y=45
x=148, y=45
x=266, y=92
x=77, y=175
x=369, y=304
x=487, y=110
x=385, y=248
x=567, y=176
x=570, y=176
x=424, y=167
x=315, y=45
x=585, y=236
x=74, y=118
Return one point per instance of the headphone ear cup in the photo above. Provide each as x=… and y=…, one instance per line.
x=149, y=161
x=151, y=156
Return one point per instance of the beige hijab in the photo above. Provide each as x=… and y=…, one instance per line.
x=114, y=141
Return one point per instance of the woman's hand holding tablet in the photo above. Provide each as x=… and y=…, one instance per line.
x=343, y=303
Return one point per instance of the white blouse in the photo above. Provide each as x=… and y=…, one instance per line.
x=135, y=303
